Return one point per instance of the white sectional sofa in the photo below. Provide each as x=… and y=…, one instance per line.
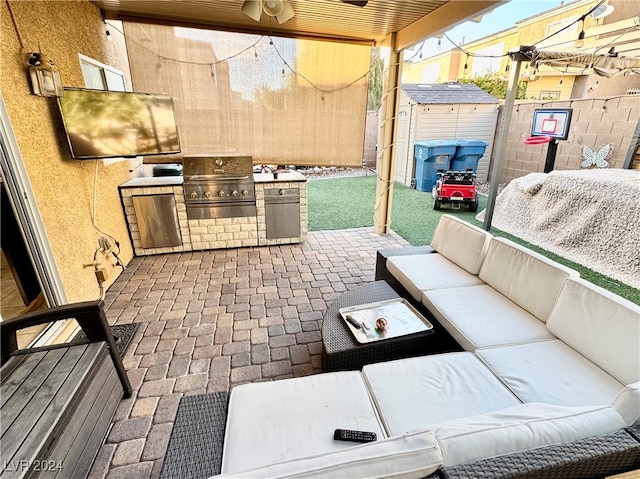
x=548, y=359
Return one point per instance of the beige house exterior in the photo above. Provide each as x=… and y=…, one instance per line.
x=616, y=29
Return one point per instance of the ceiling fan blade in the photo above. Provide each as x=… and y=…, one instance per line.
x=357, y=3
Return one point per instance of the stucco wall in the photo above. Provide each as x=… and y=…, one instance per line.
x=590, y=125
x=63, y=187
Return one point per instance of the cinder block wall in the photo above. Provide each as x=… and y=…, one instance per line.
x=595, y=122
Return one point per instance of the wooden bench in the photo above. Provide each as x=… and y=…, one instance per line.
x=57, y=402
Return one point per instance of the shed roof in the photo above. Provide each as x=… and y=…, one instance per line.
x=447, y=93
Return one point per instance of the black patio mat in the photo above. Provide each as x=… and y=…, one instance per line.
x=122, y=334
x=195, y=445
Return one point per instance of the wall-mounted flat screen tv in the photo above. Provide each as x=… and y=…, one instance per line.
x=108, y=124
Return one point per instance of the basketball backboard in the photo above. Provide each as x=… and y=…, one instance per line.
x=553, y=122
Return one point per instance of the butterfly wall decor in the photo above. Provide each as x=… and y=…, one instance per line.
x=599, y=158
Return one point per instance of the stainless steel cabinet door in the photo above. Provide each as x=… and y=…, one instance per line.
x=157, y=219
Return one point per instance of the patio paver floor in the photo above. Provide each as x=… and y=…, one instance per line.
x=211, y=320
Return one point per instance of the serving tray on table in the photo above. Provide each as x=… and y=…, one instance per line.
x=402, y=319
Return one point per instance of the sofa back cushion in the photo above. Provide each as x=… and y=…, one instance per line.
x=527, y=278
x=460, y=242
x=600, y=325
x=519, y=428
x=627, y=403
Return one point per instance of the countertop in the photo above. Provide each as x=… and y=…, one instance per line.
x=146, y=182
x=268, y=177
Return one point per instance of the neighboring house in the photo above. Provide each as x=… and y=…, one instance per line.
x=618, y=28
x=443, y=112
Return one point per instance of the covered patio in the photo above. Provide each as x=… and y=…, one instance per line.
x=211, y=320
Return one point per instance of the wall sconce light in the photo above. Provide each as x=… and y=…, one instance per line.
x=45, y=79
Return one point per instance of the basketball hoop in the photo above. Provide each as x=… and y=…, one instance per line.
x=537, y=140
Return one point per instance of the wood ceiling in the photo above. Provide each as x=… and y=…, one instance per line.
x=413, y=20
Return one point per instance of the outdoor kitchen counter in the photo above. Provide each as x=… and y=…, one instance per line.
x=150, y=181
x=282, y=208
x=282, y=177
x=191, y=236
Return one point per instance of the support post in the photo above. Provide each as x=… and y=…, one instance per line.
x=503, y=132
x=550, y=161
x=386, y=154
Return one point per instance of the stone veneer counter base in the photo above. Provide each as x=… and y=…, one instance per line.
x=204, y=234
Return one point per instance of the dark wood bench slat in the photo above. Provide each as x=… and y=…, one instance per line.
x=15, y=372
x=42, y=414
x=98, y=434
x=77, y=444
x=29, y=388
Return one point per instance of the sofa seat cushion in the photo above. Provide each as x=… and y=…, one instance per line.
x=411, y=456
x=519, y=428
x=479, y=316
x=283, y=420
x=600, y=325
x=527, y=278
x=414, y=393
x=551, y=372
x=418, y=273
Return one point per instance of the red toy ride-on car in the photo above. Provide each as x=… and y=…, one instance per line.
x=455, y=187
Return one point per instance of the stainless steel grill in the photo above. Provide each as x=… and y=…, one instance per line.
x=219, y=186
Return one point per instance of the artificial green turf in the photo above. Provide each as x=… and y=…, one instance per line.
x=342, y=203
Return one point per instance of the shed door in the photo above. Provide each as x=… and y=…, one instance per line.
x=460, y=122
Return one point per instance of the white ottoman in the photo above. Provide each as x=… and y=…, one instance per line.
x=289, y=419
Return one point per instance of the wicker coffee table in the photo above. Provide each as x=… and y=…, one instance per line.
x=341, y=351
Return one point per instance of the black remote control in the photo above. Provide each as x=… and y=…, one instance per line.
x=353, y=321
x=354, y=436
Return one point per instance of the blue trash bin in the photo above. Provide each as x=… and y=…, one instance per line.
x=431, y=156
x=468, y=155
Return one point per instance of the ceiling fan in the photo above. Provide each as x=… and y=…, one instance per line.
x=280, y=9
x=357, y=3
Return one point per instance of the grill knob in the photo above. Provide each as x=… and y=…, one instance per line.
x=193, y=194
x=219, y=162
x=234, y=193
x=207, y=194
x=221, y=193
x=281, y=192
x=245, y=192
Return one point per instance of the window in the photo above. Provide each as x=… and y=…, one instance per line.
x=99, y=76
x=568, y=35
x=550, y=95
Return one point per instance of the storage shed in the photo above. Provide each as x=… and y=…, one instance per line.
x=444, y=111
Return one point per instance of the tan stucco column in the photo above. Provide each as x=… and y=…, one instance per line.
x=385, y=160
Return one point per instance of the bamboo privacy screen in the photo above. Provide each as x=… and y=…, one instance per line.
x=282, y=101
